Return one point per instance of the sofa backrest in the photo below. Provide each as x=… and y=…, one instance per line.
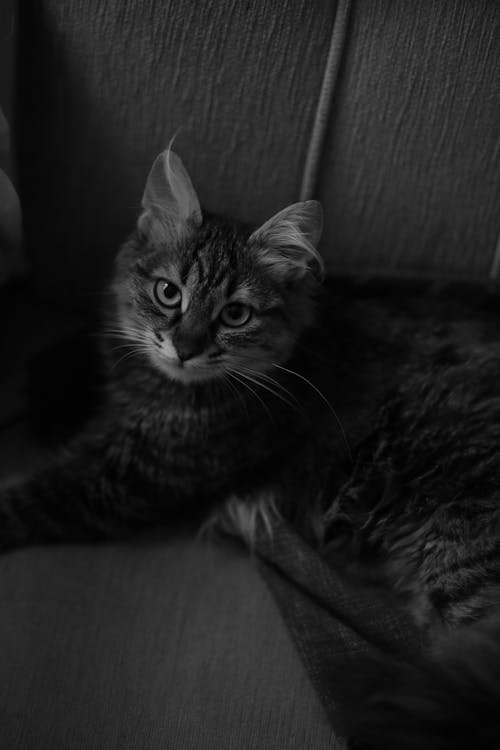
x=408, y=169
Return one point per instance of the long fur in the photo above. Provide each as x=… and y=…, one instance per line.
x=423, y=509
x=181, y=434
x=288, y=240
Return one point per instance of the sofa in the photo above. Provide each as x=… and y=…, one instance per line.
x=385, y=110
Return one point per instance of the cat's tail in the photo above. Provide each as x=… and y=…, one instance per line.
x=449, y=699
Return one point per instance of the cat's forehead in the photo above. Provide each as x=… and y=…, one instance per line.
x=216, y=251
x=215, y=263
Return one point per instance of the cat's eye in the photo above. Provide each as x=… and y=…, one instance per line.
x=166, y=293
x=235, y=314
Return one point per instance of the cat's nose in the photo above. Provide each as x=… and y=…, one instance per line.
x=190, y=347
x=185, y=352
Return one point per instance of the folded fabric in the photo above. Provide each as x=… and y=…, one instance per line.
x=333, y=623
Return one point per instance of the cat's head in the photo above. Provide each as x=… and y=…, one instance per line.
x=203, y=297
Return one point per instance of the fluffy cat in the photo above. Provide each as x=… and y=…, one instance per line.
x=200, y=406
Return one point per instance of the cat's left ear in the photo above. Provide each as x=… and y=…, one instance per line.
x=286, y=243
x=171, y=206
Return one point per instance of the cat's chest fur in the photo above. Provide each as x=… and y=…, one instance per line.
x=203, y=439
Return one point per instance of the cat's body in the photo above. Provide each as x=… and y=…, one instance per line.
x=419, y=516
x=212, y=403
x=424, y=496
x=160, y=450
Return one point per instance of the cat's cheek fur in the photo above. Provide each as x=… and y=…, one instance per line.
x=278, y=346
x=167, y=350
x=182, y=373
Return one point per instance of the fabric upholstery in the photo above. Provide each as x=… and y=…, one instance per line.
x=165, y=643
x=334, y=623
x=410, y=170
x=411, y=164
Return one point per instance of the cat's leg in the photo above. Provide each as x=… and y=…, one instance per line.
x=99, y=487
x=245, y=516
x=293, y=496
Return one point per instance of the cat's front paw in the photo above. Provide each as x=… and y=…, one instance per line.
x=245, y=516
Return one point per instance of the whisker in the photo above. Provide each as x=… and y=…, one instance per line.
x=130, y=342
x=125, y=356
x=235, y=390
x=136, y=347
x=124, y=330
x=130, y=345
x=268, y=378
x=231, y=373
x=128, y=335
x=271, y=390
x=138, y=339
x=325, y=400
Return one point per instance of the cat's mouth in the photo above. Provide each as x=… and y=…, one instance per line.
x=190, y=371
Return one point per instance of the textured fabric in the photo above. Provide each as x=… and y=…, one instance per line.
x=410, y=172
x=333, y=623
x=411, y=166
x=162, y=644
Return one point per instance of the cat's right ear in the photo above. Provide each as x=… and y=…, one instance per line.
x=171, y=206
x=286, y=243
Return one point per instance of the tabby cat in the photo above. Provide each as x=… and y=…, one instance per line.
x=211, y=406
x=205, y=320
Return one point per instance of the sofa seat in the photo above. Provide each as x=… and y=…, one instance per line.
x=159, y=643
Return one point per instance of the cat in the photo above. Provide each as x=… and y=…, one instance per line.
x=203, y=404
x=211, y=408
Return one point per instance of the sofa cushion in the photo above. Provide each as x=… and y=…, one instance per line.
x=162, y=643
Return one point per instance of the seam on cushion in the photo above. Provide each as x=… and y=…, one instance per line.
x=327, y=92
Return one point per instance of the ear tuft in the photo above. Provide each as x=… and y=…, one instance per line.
x=287, y=241
x=171, y=206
